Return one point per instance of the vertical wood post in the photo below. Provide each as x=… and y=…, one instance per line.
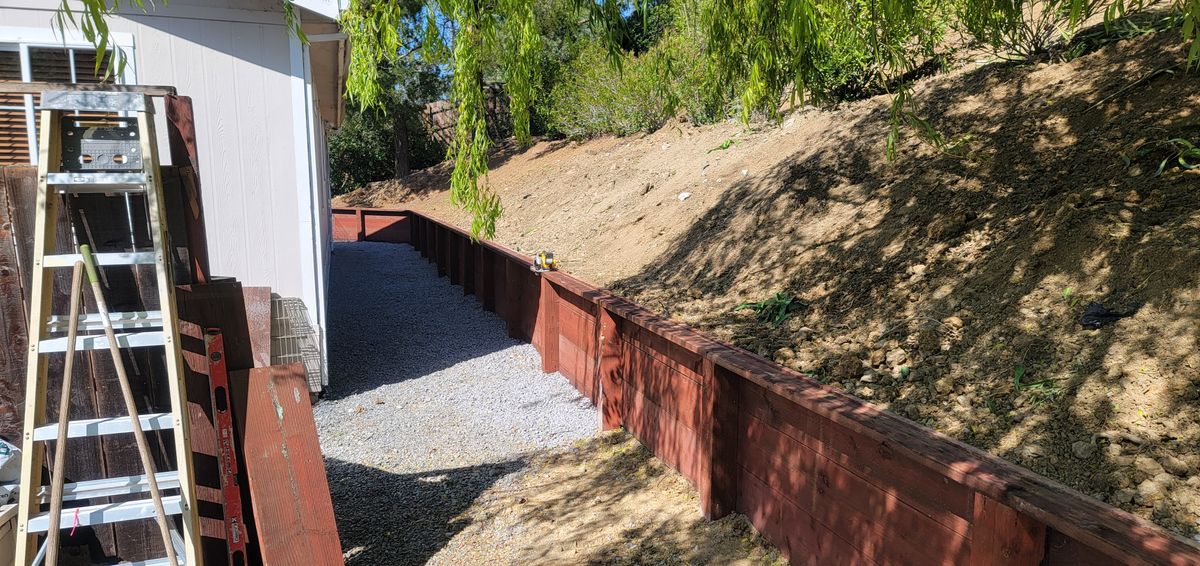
x=719, y=423
x=461, y=246
x=181, y=139
x=469, y=266
x=439, y=256
x=487, y=288
x=550, y=330
x=360, y=225
x=1003, y=536
x=452, y=257
x=612, y=414
x=514, y=310
x=500, y=283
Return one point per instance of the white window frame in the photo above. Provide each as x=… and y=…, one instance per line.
x=23, y=39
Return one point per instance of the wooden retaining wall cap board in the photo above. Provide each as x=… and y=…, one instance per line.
x=825, y=476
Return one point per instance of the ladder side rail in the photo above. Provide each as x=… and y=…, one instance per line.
x=45, y=242
x=173, y=354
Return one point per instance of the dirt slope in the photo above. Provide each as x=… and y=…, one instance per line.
x=946, y=287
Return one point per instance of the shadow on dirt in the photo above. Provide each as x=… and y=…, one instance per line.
x=423, y=509
x=969, y=268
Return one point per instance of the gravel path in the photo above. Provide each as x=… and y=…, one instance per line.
x=430, y=404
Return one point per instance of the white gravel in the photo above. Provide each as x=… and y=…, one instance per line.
x=430, y=403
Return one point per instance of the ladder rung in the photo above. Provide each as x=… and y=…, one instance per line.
x=164, y=561
x=106, y=513
x=120, y=320
x=108, y=487
x=103, y=182
x=102, y=427
x=144, y=339
x=110, y=258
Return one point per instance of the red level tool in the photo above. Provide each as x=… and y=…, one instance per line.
x=218, y=380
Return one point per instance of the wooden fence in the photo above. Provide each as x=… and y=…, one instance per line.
x=826, y=477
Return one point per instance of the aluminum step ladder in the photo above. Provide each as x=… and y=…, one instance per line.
x=136, y=162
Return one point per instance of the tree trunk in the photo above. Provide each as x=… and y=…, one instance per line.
x=400, y=133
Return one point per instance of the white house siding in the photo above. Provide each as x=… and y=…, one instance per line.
x=264, y=204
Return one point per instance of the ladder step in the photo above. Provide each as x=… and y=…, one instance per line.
x=112, y=258
x=106, y=513
x=164, y=561
x=120, y=321
x=103, y=427
x=100, y=342
x=108, y=487
x=104, y=182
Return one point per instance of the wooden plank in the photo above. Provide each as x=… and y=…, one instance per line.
x=548, y=313
x=181, y=136
x=609, y=373
x=12, y=317
x=285, y=470
x=947, y=502
x=40, y=87
x=1004, y=537
x=719, y=414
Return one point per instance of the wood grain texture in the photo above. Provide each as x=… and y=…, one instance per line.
x=1004, y=537
x=286, y=472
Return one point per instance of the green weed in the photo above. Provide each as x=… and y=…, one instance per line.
x=1178, y=152
x=774, y=309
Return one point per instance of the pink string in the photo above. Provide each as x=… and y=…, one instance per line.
x=75, y=523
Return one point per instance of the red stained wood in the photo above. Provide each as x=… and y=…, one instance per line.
x=548, y=325
x=609, y=370
x=675, y=392
x=717, y=483
x=286, y=472
x=181, y=136
x=1004, y=537
x=668, y=438
x=946, y=502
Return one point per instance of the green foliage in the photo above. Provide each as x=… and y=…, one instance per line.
x=774, y=309
x=361, y=151
x=1172, y=152
x=671, y=77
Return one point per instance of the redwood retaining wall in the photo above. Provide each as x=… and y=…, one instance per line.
x=826, y=477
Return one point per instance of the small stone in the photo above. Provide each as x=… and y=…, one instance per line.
x=803, y=334
x=1194, y=481
x=865, y=392
x=953, y=321
x=1112, y=450
x=684, y=196
x=847, y=366
x=1150, y=492
x=784, y=354
x=1147, y=466
x=1032, y=451
x=896, y=357
x=944, y=385
x=1175, y=466
x=876, y=357
x=869, y=376
x=745, y=172
x=1124, y=496
x=1083, y=449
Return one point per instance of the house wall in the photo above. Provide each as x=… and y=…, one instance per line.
x=249, y=81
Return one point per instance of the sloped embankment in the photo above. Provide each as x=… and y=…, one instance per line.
x=945, y=286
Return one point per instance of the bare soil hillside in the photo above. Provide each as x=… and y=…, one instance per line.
x=946, y=286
